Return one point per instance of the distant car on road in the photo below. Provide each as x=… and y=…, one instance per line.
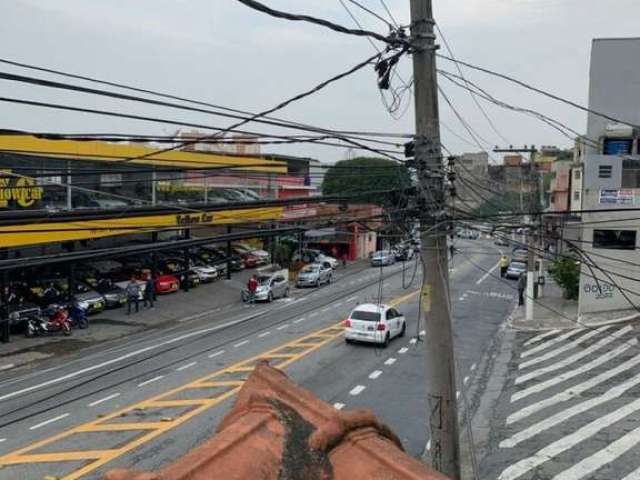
x=270, y=287
x=315, y=275
x=501, y=241
x=515, y=268
x=374, y=324
x=520, y=254
x=383, y=258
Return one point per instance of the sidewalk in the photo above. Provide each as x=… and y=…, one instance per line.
x=552, y=311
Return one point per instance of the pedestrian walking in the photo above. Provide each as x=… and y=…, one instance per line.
x=522, y=286
x=252, y=287
x=344, y=260
x=149, y=292
x=504, y=264
x=133, y=295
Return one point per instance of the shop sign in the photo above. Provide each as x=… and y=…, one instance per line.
x=23, y=191
x=616, y=197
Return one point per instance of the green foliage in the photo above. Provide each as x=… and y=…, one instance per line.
x=566, y=272
x=506, y=202
x=362, y=175
x=282, y=254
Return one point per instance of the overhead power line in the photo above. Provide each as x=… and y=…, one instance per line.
x=371, y=12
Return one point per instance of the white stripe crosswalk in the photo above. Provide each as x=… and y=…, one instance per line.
x=575, y=417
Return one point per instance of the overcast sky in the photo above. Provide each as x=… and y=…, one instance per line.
x=222, y=52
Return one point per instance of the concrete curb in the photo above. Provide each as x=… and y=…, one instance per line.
x=578, y=323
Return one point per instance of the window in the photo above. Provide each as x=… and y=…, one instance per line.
x=631, y=173
x=111, y=179
x=576, y=195
x=365, y=316
x=604, y=171
x=577, y=174
x=614, y=239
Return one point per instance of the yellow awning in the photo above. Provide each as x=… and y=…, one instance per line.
x=114, y=153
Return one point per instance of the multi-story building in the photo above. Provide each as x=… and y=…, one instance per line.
x=610, y=179
x=474, y=173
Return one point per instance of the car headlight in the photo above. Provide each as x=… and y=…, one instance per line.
x=83, y=305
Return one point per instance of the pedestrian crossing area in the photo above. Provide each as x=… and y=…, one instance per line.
x=572, y=407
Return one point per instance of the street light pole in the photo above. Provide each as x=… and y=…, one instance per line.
x=440, y=361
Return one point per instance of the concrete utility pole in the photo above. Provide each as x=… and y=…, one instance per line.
x=440, y=359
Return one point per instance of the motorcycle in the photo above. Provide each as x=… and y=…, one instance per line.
x=78, y=316
x=53, y=320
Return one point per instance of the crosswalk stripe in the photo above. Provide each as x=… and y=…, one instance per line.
x=568, y=413
x=602, y=457
x=542, y=336
x=635, y=475
x=564, y=348
x=574, y=358
x=569, y=441
x=573, y=391
x=549, y=343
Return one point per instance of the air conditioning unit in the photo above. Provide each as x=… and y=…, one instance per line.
x=618, y=130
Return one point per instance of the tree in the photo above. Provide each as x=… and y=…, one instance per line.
x=364, y=175
x=566, y=272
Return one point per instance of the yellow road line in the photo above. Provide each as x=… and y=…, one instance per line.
x=97, y=458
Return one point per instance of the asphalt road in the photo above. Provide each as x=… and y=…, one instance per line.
x=73, y=417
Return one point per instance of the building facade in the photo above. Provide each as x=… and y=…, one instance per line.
x=610, y=178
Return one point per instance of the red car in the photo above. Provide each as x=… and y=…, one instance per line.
x=249, y=260
x=166, y=284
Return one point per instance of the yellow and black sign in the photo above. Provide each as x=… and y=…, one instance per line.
x=38, y=233
x=22, y=192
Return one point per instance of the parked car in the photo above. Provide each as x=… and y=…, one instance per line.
x=515, y=268
x=374, y=324
x=217, y=256
x=405, y=253
x=270, y=287
x=382, y=258
x=21, y=312
x=177, y=268
x=315, y=275
x=322, y=258
x=520, y=254
x=501, y=241
x=114, y=295
x=263, y=257
x=166, y=283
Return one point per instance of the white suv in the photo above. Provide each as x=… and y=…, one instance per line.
x=374, y=324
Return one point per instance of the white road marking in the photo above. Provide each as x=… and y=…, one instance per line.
x=550, y=343
x=154, y=379
x=282, y=327
x=486, y=275
x=473, y=367
x=7, y=366
x=375, y=374
x=635, y=475
x=314, y=314
x=601, y=458
x=413, y=341
x=403, y=350
x=465, y=381
x=299, y=320
x=569, y=441
x=262, y=335
x=351, y=299
x=542, y=336
x=429, y=445
x=105, y=399
x=457, y=395
x=240, y=344
x=390, y=361
x=47, y=422
x=574, y=358
x=357, y=390
x=575, y=391
x=338, y=406
x=461, y=299
x=126, y=356
x=568, y=413
x=339, y=304
x=215, y=354
x=184, y=367
x=3, y=440
x=564, y=348
x=423, y=332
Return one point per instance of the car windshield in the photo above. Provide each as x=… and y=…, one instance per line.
x=264, y=280
x=365, y=316
x=383, y=253
x=518, y=265
x=310, y=269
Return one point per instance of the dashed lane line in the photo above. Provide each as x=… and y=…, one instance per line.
x=264, y=334
x=299, y=320
x=47, y=422
x=357, y=390
x=600, y=360
x=465, y=381
x=184, y=367
x=390, y=361
x=240, y=344
x=105, y=399
x=375, y=374
x=574, y=358
x=473, y=367
x=413, y=341
x=282, y=327
x=216, y=354
x=154, y=379
x=338, y=406
x=564, y=348
x=403, y=350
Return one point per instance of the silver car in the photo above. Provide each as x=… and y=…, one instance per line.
x=270, y=287
x=383, y=258
x=315, y=275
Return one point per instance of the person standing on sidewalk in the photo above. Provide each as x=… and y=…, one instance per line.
x=149, y=292
x=252, y=287
x=504, y=264
x=133, y=295
x=522, y=286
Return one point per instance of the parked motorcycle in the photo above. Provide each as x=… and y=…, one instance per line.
x=78, y=316
x=54, y=319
